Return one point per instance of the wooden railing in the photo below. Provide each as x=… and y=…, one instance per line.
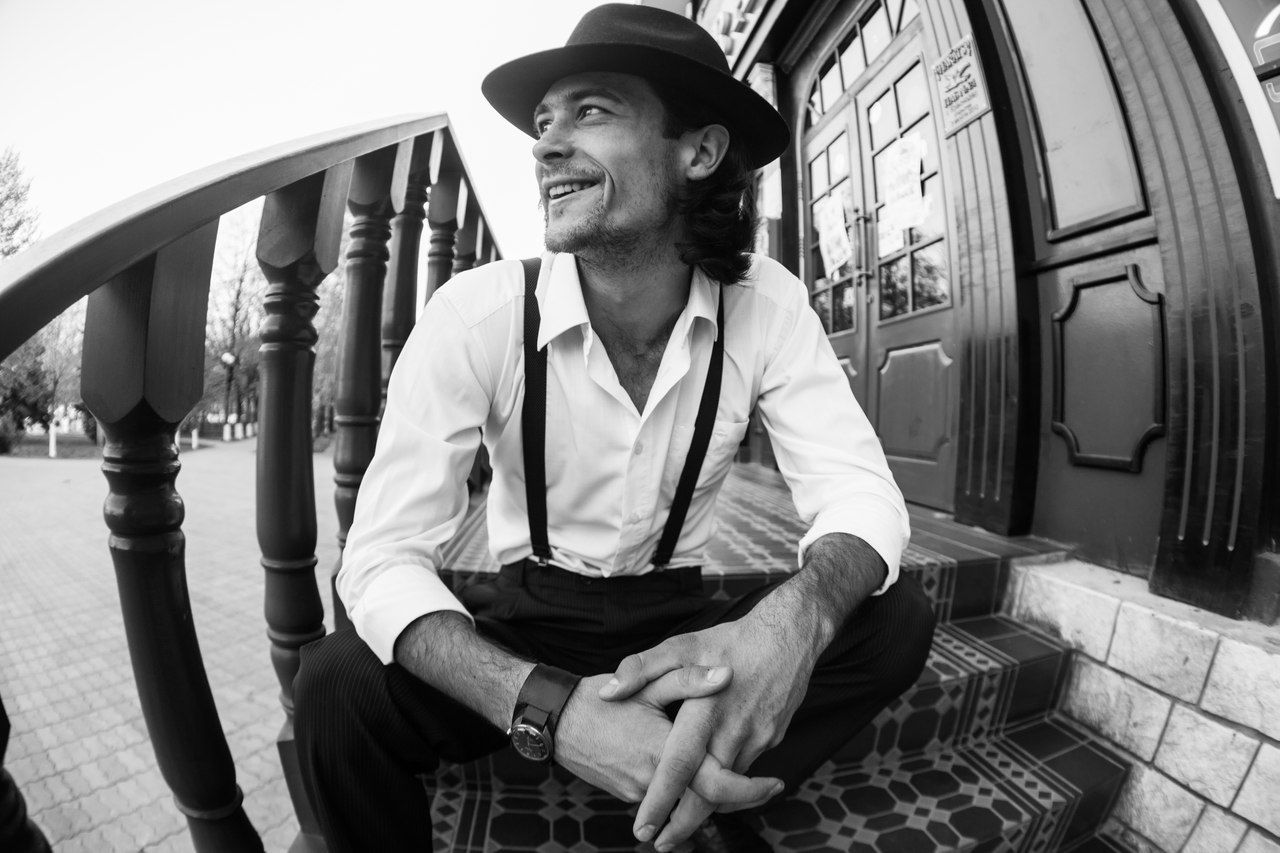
x=145, y=265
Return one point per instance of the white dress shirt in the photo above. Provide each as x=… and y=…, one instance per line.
x=611, y=470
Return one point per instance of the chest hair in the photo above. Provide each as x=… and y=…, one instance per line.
x=636, y=362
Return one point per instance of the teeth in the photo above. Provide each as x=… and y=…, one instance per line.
x=561, y=190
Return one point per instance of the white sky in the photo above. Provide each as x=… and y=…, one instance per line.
x=103, y=99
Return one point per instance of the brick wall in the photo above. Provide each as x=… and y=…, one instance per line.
x=1192, y=699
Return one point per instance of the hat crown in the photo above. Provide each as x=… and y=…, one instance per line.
x=646, y=26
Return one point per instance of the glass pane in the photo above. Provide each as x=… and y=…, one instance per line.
x=893, y=288
x=838, y=157
x=913, y=96
x=895, y=8
x=815, y=104
x=929, y=162
x=842, y=316
x=875, y=32
x=929, y=284
x=851, y=61
x=819, y=270
x=831, y=87
x=934, y=214
x=909, y=11
x=881, y=163
x=822, y=304
x=883, y=118
x=818, y=174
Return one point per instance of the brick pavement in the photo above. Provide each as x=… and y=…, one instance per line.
x=79, y=748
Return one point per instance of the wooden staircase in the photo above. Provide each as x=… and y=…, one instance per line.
x=973, y=757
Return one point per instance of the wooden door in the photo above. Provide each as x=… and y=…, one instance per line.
x=911, y=394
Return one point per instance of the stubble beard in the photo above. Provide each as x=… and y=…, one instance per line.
x=594, y=238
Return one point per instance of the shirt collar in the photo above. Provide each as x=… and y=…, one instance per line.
x=562, y=307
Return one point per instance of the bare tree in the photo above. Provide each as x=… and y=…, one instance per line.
x=24, y=391
x=18, y=221
x=236, y=291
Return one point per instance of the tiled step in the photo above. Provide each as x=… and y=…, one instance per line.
x=983, y=676
x=1044, y=785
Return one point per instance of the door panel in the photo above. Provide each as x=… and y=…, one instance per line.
x=910, y=335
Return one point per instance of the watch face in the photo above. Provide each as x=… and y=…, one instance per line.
x=531, y=742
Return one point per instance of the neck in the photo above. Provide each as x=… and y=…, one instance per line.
x=639, y=297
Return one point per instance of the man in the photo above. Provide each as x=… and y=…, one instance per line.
x=651, y=336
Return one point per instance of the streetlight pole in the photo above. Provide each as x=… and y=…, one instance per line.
x=228, y=360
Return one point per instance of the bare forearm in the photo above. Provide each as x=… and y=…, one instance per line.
x=444, y=650
x=840, y=572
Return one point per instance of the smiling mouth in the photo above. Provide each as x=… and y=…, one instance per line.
x=560, y=191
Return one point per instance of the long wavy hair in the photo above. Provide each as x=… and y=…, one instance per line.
x=719, y=211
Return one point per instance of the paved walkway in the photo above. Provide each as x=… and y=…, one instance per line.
x=79, y=748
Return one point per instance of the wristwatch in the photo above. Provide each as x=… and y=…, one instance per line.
x=533, y=724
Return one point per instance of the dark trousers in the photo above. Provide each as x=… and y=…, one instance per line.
x=365, y=730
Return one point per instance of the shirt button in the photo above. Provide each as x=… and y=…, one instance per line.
x=639, y=448
x=634, y=517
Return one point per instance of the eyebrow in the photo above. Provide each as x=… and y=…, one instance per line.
x=581, y=95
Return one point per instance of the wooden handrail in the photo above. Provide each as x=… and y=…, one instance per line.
x=145, y=264
x=40, y=283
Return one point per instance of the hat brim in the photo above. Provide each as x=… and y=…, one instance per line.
x=516, y=88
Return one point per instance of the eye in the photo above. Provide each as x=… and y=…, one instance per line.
x=540, y=125
x=590, y=109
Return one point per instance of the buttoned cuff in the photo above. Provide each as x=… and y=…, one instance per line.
x=878, y=526
x=393, y=600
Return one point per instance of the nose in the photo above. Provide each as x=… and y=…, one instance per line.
x=553, y=144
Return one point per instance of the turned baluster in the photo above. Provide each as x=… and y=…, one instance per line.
x=400, y=296
x=358, y=399
x=442, y=211
x=297, y=247
x=142, y=372
x=464, y=242
x=482, y=243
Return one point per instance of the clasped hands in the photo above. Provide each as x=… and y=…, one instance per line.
x=738, y=683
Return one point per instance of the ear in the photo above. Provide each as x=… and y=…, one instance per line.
x=705, y=149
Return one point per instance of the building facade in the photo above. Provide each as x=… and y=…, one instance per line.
x=1043, y=240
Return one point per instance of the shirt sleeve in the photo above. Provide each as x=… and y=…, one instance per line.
x=823, y=442
x=413, y=497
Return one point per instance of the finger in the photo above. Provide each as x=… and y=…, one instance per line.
x=687, y=817
x=715, y=783
x=682, y=755
x=635, y=671
x=688, y=682
x=754, y=804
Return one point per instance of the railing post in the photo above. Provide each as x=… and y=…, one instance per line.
x=442, y=210
x=297, y=247
x=400, y=298
x=357, y=402
x=143, y=371
x=464, y=244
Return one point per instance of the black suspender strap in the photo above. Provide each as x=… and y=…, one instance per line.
x=533, y=421
x=533, y=417
x=702, y=426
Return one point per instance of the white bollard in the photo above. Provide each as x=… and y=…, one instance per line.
x=195, y=438
x=53, y=441
x=239, y=431
x=226, y=432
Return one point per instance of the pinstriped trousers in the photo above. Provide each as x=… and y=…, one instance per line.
x=365, y=731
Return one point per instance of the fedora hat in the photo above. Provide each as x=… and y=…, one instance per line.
x=650, y=43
